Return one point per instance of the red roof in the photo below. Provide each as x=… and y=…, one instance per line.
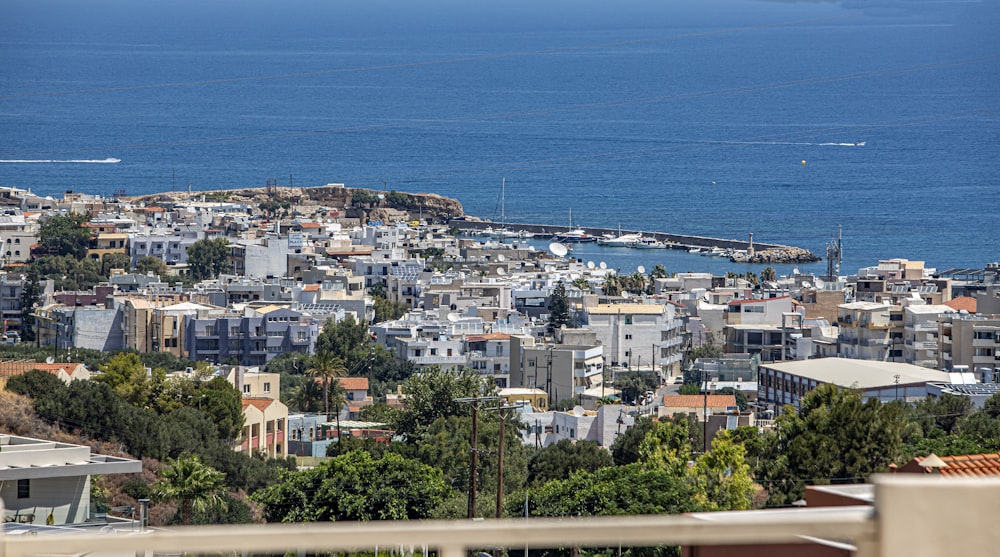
x=962, y=303
x=489, y=336
x=957, y=466
x=257, y=402
x=698, y=401
x=353, y=383
x=309, y=225
x=311, y=288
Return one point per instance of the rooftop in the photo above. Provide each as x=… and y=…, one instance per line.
x=859, y=374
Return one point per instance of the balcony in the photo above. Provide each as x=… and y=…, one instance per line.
x=906, y=521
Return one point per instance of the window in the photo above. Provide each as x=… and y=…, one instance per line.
x=628, y=337
x=753, y=308
x=628, y=319
x=267, y=387
x=23, y=489
x=246, y=389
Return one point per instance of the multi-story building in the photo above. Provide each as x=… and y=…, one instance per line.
x=971, y=342
x=562, y=371
x=251, y=340
x=636, y=334
x=17, y=234
x=920, y=334
x=46, y=482
x=489, y=354
x=783, y=383
x=760, y=326
x=168, y=244
x=265, y=424
x=871, y=331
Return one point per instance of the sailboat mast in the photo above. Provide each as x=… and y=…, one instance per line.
x=503, y=211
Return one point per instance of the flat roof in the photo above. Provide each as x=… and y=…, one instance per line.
x=613, y=309
x=859, y=374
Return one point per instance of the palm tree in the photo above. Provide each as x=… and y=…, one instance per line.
x=581, y=284
x=196, y=486
x=326, y=366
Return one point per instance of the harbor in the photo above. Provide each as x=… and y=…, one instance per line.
x=738, y=251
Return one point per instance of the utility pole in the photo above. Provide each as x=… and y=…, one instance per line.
x=500, y=451
x=474, y=451
x=704, y=411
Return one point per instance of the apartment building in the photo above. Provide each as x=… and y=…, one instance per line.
x=638, y=335
x=562, y=371
x=920, y=334
x=971, y=342
x=871, y=331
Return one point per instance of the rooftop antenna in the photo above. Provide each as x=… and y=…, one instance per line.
x=834, y=255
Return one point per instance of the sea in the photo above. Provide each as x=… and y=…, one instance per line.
x=716, y=118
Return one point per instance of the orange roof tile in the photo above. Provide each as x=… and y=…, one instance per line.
x=8, y=369
x=354, y=383
x=968, y=465
x=488, y=336
x=311, y=288
x=698, y=401
x=258, y=403
x=962, y=303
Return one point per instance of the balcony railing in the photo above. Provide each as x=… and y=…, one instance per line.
x=906, y=520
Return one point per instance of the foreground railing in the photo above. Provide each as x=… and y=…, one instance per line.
x=913, y=516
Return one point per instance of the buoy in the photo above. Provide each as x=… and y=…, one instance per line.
x=803, y=162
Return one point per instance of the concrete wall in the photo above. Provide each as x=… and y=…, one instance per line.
x=68, y=499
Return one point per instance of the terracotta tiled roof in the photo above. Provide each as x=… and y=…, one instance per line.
x=962, y=303
x=970, y=465
x=488, y=336
x=258, y=403
x=310, y=225
x=311, y=288
x=8, y=369
x=353, y=383
x=697, y=401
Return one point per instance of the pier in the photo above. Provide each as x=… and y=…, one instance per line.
x=672, y=241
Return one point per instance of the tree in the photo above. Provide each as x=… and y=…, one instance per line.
x=943, y=412
x=126, y=375
x=690, y=389
x=149, y=264
x=221, y=402
x=355, y=486
x=326, y=367
x=834, y=437
x=194, y=485
x=431, y=395
x=31, y=296
x=558, y=308
x=741, y=399
x=559, y=461
x=634, y=384
x=386, y=310
x=64, y=234
x=768, y=275
x=625, y=449
x=208, y=257
x=112, y=261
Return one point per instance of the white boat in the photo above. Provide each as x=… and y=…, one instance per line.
x=648, y=243
x=860, y=143
x=503, y=232
x=619, y=241
x=573, y=235
x=696, y=250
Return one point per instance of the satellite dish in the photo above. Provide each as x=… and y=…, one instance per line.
x=579, y=411
x=590, y=265
x=574, y=276
x=501, y=258
x=603, y=265
x=805, y=284
x=558, y=249
x=550, y=268
x=820, y=284
x=641, y=269
x=501, y=271
x=50, y=360
x=795, y=270
x=452, y=317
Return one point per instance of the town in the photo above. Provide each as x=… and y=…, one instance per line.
x=279, y=340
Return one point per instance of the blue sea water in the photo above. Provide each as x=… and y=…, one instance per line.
x=715, y=118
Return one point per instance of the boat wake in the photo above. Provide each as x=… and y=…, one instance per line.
x=824, y=144
x=108, y=160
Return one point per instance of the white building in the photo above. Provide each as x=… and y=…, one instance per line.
x=45, y=482
x=638, y=335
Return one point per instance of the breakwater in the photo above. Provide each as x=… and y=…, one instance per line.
x=773, y=253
